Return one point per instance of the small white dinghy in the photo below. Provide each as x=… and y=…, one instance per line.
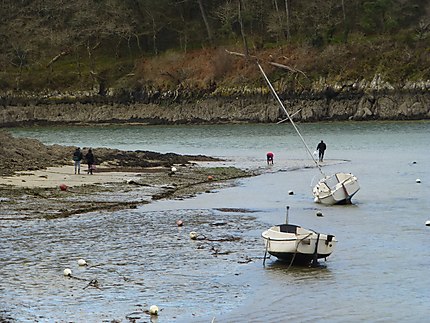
x=297, y=245
x=338, y=188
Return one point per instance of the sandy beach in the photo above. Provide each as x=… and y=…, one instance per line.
x=53, y=177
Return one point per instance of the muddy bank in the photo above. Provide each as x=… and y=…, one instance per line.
x=24, y=154
x=147, y=185
x=123, y=179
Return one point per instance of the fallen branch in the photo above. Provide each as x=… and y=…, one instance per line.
x=286, y=67
x=56, y=58
x=294, y=70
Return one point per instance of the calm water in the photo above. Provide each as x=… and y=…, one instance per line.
x=378, y=273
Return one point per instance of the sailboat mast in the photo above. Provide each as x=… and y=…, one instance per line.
x=288, y=115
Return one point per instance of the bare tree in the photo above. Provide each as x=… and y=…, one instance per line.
x=205, y=20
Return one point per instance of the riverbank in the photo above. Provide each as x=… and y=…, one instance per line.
x=38, y=180
x=240, y=106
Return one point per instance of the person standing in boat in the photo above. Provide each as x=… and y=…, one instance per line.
x=321, y=149
x=77, y=157
x=269, y=156
x=90, y=161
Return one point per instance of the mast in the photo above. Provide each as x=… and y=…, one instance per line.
x=288, y=116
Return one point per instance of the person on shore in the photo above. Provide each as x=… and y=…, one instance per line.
x=77, y=157
x=269, y=156
x=90, y=161
x=321, y=149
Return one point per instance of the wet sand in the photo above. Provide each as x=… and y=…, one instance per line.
x=53, y=177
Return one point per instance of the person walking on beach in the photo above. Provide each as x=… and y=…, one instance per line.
x=321, y=149
x=77, y=157
x=269, y=156
x=90, y=161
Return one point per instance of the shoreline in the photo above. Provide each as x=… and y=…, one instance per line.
x=38, y=194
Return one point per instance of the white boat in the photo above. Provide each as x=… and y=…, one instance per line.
x=336, y=189
x=297, y=245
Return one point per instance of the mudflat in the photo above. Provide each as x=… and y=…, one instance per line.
x=39, y=180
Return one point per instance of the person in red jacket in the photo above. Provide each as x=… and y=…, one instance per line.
x=269, y=156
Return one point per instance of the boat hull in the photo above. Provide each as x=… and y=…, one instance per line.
x=336, y=189
x=297, y=245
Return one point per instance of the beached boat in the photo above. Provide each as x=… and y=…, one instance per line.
x=297, y=245
x=336, y=189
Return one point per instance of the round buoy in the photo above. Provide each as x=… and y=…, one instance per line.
x=63, y=187
x=193, y=235
x=414, y=162
x=428, y=223
x=290, y=192
x=82, y=262
x=418, y=180
x=153, y=310
x=67, y=272
x=210, y=178
x=173, y=169
x=319, y=213
x=179, y=223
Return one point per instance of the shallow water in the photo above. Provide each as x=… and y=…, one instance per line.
x=140, y=257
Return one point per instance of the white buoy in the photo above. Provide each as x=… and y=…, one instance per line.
x=82, y=262
x=193, y=235
x=428, y=223
x=173, y=169
x=418, y=180
x=67, y=272
x=290, y=192
x=153, y=310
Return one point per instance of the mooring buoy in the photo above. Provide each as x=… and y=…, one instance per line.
x=153, y=310
x=82, y=262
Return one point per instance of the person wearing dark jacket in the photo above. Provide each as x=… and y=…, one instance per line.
x=90, y=161
x=321, y=149
x=77, y=157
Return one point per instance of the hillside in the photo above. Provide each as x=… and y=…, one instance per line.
x=179, y=61
x=106, y=46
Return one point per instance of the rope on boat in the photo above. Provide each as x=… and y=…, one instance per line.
x=297, y=248
x=315, y=259
x=288, y=116
x=265, y=252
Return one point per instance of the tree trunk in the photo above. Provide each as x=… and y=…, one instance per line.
x=205, y=20
x=287, y=14
x=242, y=31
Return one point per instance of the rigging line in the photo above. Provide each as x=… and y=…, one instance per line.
x=288, y=116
